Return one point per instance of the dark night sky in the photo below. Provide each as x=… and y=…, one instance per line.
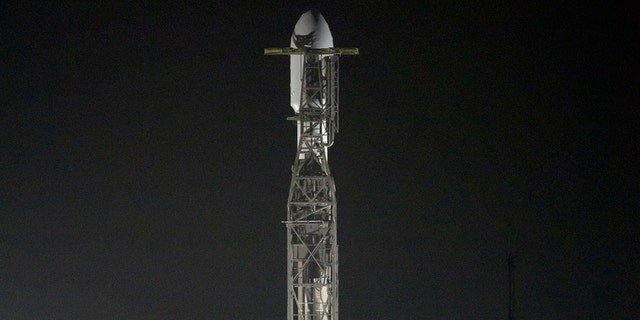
x=146, y=161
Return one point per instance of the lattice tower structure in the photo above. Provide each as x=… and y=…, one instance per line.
x=312, y=242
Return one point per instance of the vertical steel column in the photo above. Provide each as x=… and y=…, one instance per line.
x=312, y=247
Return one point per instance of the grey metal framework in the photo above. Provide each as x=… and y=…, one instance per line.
x=312, y=243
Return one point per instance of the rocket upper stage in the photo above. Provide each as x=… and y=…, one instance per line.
x=311, y=31
x=311, y=36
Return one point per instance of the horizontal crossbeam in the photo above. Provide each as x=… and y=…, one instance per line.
x=309, y=51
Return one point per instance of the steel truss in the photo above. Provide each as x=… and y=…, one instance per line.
x=312, y=244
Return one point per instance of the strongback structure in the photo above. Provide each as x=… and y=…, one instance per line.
x=312, y=244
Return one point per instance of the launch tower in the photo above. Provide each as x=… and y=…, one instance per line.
x=312, y=244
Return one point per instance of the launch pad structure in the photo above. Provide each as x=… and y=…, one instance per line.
x=311, y=225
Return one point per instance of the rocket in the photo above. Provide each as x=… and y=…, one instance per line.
x=312, y=245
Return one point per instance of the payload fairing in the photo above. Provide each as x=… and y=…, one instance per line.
x=311, y=31
x=312, y=246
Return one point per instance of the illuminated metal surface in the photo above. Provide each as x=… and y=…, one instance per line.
x=312, y=244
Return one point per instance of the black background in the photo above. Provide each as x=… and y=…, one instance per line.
x=146, y=160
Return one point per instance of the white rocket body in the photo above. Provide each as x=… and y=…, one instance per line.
x=311, y=31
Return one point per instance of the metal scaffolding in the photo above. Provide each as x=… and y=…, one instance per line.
x=312, y=244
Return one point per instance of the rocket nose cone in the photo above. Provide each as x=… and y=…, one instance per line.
x=311, y=31
x=308, y=21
